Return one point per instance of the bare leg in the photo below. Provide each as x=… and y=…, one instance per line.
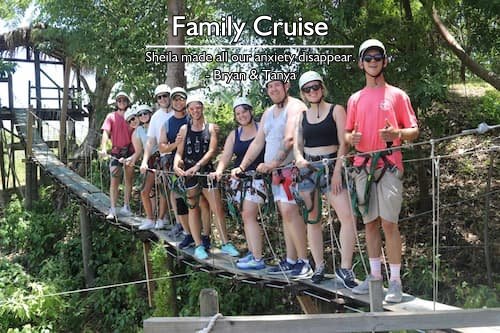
x=146, y=200
x=295, y=225
x=214, y=200
x=129, y=179
x=348, y=230
x=252, y=228
x=194, y=215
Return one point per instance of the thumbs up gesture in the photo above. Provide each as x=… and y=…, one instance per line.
x=356, y=135
x=388, y=133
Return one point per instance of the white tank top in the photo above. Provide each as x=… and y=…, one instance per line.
x=274, y=130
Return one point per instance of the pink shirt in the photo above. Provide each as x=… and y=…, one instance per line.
x=120, y=132
x=369, y=108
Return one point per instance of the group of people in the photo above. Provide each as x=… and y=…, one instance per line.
x=299, y=145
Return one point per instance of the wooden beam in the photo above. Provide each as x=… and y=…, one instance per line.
x=307, y=304
x=64, y=110
x=86, y=235
x=330, y=323
x=146, y=249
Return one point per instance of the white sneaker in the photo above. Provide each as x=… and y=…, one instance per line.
x=159, y=224
x=112, y=214
x=125, y=211
x=147, y=224
x=394, y=292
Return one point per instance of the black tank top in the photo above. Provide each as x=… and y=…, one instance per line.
x=195, y=145
x=321, y=134
x=240, y=148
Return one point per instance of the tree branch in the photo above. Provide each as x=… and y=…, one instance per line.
x=488, y=76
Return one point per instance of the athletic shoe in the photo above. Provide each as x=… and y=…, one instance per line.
x=229, y=248
x=363, y=288
x=159, y=224
x=301, y=270
x=125, y=211
x=205, y=241
x=251, y=264
x=284, y=267
x=146, y=225
x=246, y=258
x=394, y=293
x=112, y=214
x=176, y=231
x=200, y=253
x=347, y=277
x=188, y=241
x=319, y=274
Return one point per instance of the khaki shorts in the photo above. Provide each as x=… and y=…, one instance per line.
x=386, y=196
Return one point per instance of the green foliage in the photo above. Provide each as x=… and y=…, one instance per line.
x=47, y=242
x=25, y=304
x=6, y=68
x=164, y=287
x=234, y=298
x=487, y=110
x=477, y=296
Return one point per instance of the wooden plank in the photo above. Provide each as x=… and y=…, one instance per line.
x=307, y=304
x=327, y=323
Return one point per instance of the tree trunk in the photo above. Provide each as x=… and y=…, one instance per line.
x=98, y=108
x=175, y=71
x=488, y=76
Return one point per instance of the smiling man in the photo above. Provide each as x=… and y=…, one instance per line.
x=379, y=116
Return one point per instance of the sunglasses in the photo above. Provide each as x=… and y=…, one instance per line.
x=315, y=87
x=131, y=120
x=179, y=98
x=369, y=58
x=122, y=100
x=162, y=96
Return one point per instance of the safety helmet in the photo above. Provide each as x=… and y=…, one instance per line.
x=141, y=108
x=162, y=89
x=178, y=91
x=308, y=77
x=269, y=80
x=242, y=101
x=194, y=98
x=367, y=44
x=130, y=113
x=123, y=94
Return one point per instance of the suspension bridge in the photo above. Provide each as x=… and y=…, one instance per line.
x=94, y=202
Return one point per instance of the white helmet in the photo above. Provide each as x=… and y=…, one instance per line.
x=130, y=113
x=178, y=91
x=308, y=77
x=269, y=80
x=194, y=98
x=162, y=89
x=141, y=108
x=369, y=44
x=123, y=94
x=242, y=101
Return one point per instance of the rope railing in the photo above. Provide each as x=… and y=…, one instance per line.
x=485, y=147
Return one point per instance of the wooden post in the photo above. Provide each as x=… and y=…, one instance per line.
x=146, y=248
x=2, y=161
x=86, y=234
x=486, y=222
x=376, y=295
x=30, y=186
x=64, y=110
x=307, y=305
x=209, y=302
x=38, y=91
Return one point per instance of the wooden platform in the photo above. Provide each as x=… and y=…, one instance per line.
x=217, y=263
